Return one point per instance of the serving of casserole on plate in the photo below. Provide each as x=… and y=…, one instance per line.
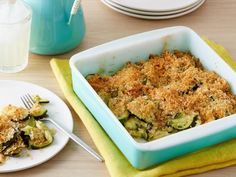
x=26, y=142
x=176, y=91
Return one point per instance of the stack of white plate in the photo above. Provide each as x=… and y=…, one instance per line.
x=154, y=9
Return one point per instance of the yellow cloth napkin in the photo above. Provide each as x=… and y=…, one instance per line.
x=218, y=156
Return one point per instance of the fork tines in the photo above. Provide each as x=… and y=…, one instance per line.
x=27, y=100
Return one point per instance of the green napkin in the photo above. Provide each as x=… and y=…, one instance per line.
x=218, y=156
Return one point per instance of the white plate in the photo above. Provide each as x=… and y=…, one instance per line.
x=10, y=92
x=111, y=2
x=153, y=17
x=155, y=5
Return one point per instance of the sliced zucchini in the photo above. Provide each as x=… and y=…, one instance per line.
x=43, y=126
x=136, y=127
x=15, y=113
x=38, y=111
x=156, y=134
x=15, y=148
x=30, y=121
x=134, y=123
x=39, y=136
x=44, y=138
x=124, y=115
x=139, y=133
x=183, y=121
x=38, y=99
x=123, y=120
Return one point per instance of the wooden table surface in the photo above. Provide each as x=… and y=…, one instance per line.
x=215, y=19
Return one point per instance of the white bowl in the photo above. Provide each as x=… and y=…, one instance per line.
x=111, y=56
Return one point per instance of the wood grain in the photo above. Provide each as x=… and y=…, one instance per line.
x=215, y=19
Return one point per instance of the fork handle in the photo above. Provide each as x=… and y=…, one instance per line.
x=77, y=140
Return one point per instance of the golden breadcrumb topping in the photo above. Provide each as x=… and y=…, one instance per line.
x=15, y=113
x=7, y=129
x=165, y=85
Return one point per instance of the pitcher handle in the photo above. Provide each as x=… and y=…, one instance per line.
x=74, y=9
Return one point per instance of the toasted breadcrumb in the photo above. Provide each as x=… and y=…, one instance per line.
x=157, y=89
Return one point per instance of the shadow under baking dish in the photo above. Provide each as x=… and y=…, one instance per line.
x=111, y=56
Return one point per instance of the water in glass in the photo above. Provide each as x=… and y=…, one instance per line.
x=15, y=24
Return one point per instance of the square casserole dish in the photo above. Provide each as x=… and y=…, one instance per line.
x=110, y=57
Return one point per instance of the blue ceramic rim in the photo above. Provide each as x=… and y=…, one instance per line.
x=146, y=146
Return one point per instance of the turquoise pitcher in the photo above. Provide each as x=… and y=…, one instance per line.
x=50, y=32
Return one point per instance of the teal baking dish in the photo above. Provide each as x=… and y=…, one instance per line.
x=111, y=56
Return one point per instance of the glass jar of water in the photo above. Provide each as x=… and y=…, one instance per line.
x=15, y=24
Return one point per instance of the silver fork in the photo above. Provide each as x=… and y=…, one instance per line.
x=29, y=102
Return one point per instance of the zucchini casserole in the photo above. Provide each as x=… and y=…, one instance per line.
x=165, y=94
